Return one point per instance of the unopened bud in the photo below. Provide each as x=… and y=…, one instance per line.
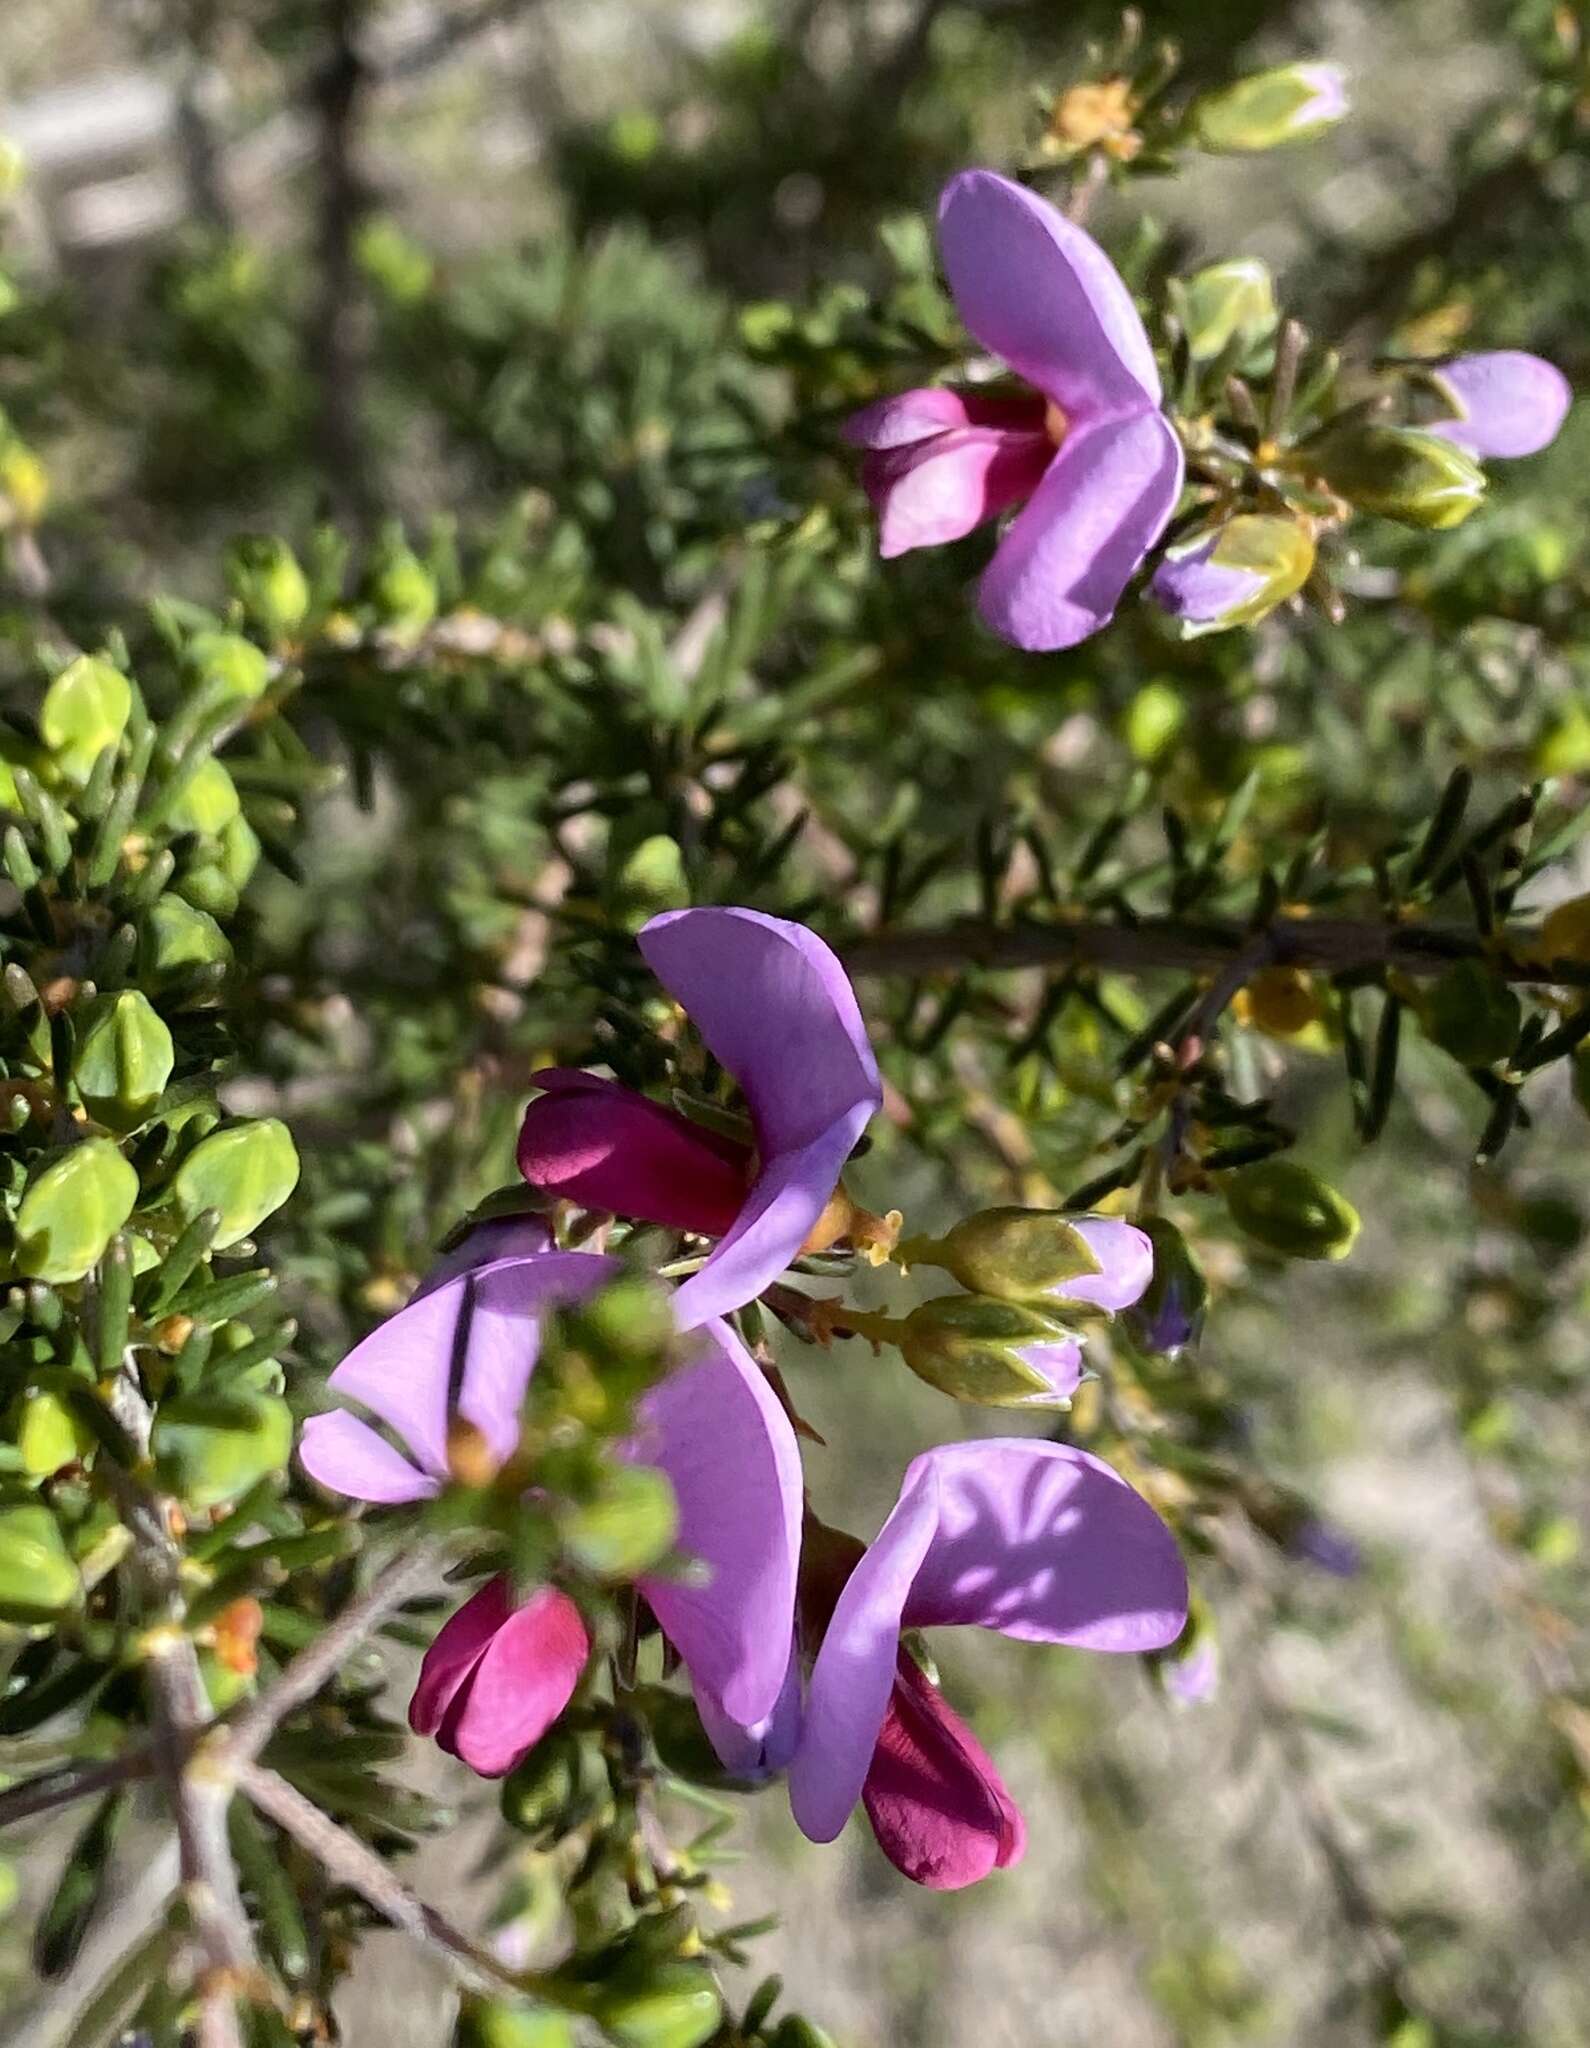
x=1400, y=473
x=266, y=579
x=402, y=590
x=670, y=2005
x=85, y=710
x=1289, y=1208
x=229, y=659
x=1232, y=573
x=627, y=1526
x=1291, y=103
x=999, y=1354
x=124, y=1058
x=1170, y=1316
x=1039, y=1255
x=559, y=1784
x=1227, y=305
x=505, y=2023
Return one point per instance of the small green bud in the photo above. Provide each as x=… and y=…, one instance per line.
x=38, y=1579
x=175, y=935
x=402, y=590
x=49, y=1435
x=1291, y=1209
x=1291, y=103
x=672, y=2005
x=72, y=1209
x=228, y=657
x=264, y=576
x=124, y=1058
x=211, y=1452
x=85, y=710
x=628, y=1526
x=559, y=1784
x=1017, y=1254
x=497, y=2023
x=208, y=802
x=1472, y=1015
x=653, y=877
x=209, y=888
x=1000, y=1354
x=1226, y=305
x=246, y=1172
x=240, y=852
x=1400, y=473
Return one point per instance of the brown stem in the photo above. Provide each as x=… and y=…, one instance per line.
x=68, y=1783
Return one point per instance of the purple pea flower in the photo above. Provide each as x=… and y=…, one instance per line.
x=1089, y=450
x=774, y=1006
x=1036, y=1540
x=458, y=1359
x=1507, y=403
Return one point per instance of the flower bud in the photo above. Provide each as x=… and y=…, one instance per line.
x=1472, y=1015
x=124, y=1059
x=229, y=659
x=1400, y=473
x=38, y=1579
x=560, y=1783
x=1505, y=403
x=1291, y=103
x=627, y=1526
x=501, y=2023
x=1233, y=572
x=1000, y=1354
x=85, y=710
x=245, y=1172
x=1170, y=1315
x=668, y=2005
x=265, y=578
x=402, y=590
x=72, y=1209
x=207, y=802
x=1227, y=305
x=1286, y=1206
x=175, y=936
x=1039, y=1255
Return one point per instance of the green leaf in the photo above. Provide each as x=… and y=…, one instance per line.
x=124, y=1058
x=72, y=1210
x=209, y=1455
x=38, y=1579
x=85, y=710
x=245, y=1173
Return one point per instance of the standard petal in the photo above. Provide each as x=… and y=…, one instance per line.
x=937, y=1803
x=1508, y=403
x=521, y=1681
x=1059, y=572
x=596, y=1142
x=468, y=1348
x=716, y=1428
x=455, y=1650
x=940, y=490
x=1041, y=294
x=347, y=1455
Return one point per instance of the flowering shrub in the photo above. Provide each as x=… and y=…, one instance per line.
x=467, y=976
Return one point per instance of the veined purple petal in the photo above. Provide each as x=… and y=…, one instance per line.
x=759, y=1748
x=774, y=1006
x=940, y=490
x=1041, y=294
x=1195, y=587
x=910, y=417
x=1039, y=1541
x=471, y=1342
x=1107, y=496
x=716, y=1428
x=348, y=1456
x=1508, y=403
x=1126, y=1264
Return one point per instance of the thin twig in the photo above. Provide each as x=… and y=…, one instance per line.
x=68, y=1783
x=132, y=1916
x=244, y=1738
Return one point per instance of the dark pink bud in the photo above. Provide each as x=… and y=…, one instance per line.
x=937, y=1804
x=497, y=1676
x=602, y=1145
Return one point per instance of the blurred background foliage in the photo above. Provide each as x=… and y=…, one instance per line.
x=525, y=329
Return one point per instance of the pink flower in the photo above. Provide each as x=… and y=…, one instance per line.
x=1090, y=452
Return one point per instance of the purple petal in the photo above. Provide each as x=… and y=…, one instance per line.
x=1061, y=1366
x=756, y=1749
x=1037, y=1540
x=504, y=1237
x=347, y=1455
x=1193, y=587
x=940, y=490
x=774, y=1006
x=1126, y=1264
x=716, y=1428
x=477, y=1333
x=1041, y=294
x=1059, y=572
x=1508, y=403
x=908, y=417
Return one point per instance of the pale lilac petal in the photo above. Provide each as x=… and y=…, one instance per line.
x=1039, y=1541
x=775, y=1008
x=940, y=490
x=347, y=1455
x=716, y=1428
x=471, y=1342
x=1126, y=1264
x=1061, y=1367
x=911, y=417
x=1059, y=572
x=1194, y=587
x=598, y=1143
x=522, y=1680
x=1041, y=294
x=1509, y=403
x=759, y=1748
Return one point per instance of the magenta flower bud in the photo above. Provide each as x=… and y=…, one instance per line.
x=1505, y=403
